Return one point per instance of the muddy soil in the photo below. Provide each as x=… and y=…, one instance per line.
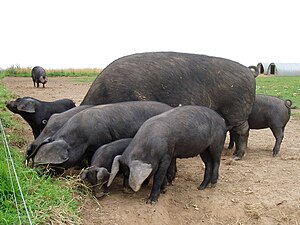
x=260, y=189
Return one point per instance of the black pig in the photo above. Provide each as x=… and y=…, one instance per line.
x=86, y=131
x=55, y=122
x=38, y=75
x=269, y=112
x=36, y=112
x=182, y=132
x=98, y=172
x=180, y=78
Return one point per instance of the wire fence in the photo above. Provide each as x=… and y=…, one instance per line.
x=14, y=176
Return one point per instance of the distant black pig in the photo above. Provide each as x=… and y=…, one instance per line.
x=98, y=172
x=269, y=112
x=38, y=75
x=86, y=131
x=182, y=132
x=55, y=122
x=36, y=112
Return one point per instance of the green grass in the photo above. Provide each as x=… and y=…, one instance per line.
x=48, y=200
x=16, y=70
x=282, y=87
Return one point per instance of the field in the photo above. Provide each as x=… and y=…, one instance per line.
x=259, y=189
x=16, y=70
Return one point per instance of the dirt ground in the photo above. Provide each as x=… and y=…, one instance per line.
x=260, y=189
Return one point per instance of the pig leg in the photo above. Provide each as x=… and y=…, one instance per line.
x=278, y=133
x=163, y=188
x=126, y=187
x=159, y=179
x=207, y=159
x=215, y=152
x=233, y=139
x=211, y=157
x=171, y=174
x=242, y=132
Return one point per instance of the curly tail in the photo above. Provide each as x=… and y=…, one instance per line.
x=254, y=70
x=288, y=103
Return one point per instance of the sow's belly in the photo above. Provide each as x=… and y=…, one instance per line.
x=188, y=151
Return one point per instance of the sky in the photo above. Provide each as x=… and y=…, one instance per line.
x=58, y=34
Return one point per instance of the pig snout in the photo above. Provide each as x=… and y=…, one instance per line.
x=11, y=106
x=9, y=103
x=43, y=79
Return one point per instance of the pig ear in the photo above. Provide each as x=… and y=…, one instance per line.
x=139, y=171
x=27, y=106
x=114, y=169
x=55, y=152
x=83, y=175
x=101, y=173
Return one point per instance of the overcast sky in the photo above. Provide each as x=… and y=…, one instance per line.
x=93, y=33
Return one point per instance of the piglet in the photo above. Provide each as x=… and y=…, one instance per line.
x=182, y=132
x=98, y=172
x=268, y=112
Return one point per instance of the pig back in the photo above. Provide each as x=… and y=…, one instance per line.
x=178, y=78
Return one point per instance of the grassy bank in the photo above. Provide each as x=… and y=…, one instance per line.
x=282, y=87
x=26, y=72
x=49, y=201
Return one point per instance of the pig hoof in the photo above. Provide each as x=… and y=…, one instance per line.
x=163, y=191
x=149, y=201
x=127, y=191
x=170, y=183
x=201, y=187
x=213, y=185
x=235, y=158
